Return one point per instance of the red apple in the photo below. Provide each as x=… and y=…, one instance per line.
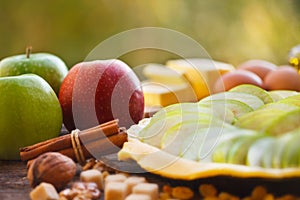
x=98, y=91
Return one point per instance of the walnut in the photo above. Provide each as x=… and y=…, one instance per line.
x=53, y=168
x=81, y=190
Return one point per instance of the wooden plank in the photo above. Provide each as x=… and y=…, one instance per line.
x=13, y=181
x=14, y=184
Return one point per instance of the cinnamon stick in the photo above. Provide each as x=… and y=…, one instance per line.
x=108, y=128
x=100, y=147
x=108, y=132
x=101, y=131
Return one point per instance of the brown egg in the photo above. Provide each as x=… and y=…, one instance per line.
x=259, y=67
x=284, y=78
x=235, y=78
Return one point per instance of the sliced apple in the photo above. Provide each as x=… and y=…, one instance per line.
x=220, y=112
x=254, y=90
x=166, y=165
x=192, y=126
x=253, y=101
x=280, y=105
x=193, y=140
x=238, y=108
x=281, y=94
x=291, y=153
x=296, y=97
x=154, y=131
x=181, y=137
x=290, y=101
x=270, y=121
x=255, y=155
x=215, y=135
x=272, y=156
x=237, y=154
x=166, y=118
x=228, y=139
x=184, y=108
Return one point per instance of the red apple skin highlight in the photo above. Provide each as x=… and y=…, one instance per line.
x=98, y=91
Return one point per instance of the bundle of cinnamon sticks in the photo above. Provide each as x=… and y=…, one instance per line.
x=101, y=140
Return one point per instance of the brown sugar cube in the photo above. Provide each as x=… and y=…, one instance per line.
x=150, y=189
x=138, y=197
x=92, y=175
x=115, y=178
x=133, y=181
x=44, y=191
x=115, y=191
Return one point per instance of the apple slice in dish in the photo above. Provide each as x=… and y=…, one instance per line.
x=258, y=150
x=270, y=121
x=163, y=120
x=194, y=139
x=238, y=108
x=281, y=105
x=253, y=101
x=225, y=143
x=282, y=94
x=254, y=90
x=276, y=154
x=237, y=153
x=291, y=153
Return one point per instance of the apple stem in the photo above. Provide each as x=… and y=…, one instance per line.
x=28, y=51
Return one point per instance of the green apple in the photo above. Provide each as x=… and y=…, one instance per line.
x=48, y=66
x=254, y=90
x=253, y=101
x=30, y=113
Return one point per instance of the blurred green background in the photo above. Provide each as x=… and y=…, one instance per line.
x=231, y=30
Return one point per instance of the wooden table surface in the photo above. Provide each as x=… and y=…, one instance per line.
x=14, y=184
x=13, y=181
